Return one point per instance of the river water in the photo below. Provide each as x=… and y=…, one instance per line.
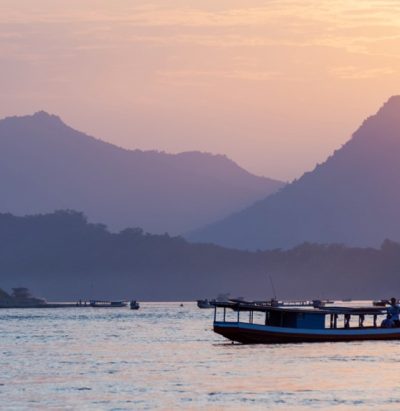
x=166, y=357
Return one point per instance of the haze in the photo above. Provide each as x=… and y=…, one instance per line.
x=275, y=85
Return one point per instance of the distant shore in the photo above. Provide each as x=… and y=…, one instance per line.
x=46, y=305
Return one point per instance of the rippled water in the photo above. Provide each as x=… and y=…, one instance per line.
x=166, y=357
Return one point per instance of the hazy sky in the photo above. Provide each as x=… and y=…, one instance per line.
x=275, y=85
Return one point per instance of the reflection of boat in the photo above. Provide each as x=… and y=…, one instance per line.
x=205, y=303
x=107, y=304
x=134, y=305
x=251, y=323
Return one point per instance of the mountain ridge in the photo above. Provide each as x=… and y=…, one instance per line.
x=339, y=201
x=46, y=165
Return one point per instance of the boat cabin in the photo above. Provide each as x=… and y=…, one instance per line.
x=295, y=319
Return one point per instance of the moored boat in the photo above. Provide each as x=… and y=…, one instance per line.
x=205, y=303
x=107, y=304
x=298, y=303
x=250, y=323
x=21, y=298
x=380, y=303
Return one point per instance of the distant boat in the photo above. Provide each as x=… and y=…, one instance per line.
x=134, y=305
x=206, y=303
x=107, y=304
x=287, y=303
x=20, y=298
x=380, y=303
x=262, y=324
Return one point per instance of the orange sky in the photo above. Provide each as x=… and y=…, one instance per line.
x=275, y=85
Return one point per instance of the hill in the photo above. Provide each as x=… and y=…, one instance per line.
x=62, y=257
x=352, y=198
x=46, y=165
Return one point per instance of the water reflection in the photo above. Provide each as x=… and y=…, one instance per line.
x=165, y=357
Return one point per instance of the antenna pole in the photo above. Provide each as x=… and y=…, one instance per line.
x=272, y=285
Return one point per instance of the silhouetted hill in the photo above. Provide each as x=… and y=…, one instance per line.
x=60, y=256
x=45, y=165
x=352, y=198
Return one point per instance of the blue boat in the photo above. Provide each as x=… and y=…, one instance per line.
x=253, y=323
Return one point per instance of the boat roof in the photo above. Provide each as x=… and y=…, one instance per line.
x=263, y=307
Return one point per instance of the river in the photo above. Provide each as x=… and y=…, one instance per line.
x=166, y=357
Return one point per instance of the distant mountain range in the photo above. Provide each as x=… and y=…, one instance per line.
x=61, y=257
x=352, y=198
x=46, y=165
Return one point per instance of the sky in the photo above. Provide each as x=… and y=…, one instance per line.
x=274, y=85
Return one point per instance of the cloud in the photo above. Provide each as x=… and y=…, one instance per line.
x=244, y=64
x=98, y=25
x=360, y=73
x=227, y=74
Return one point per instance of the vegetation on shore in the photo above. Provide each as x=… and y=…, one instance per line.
x=64, y=257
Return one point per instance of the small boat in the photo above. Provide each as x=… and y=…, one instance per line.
x=134, y=305
x=251, y=323
x=288, y=303
x=107, y=304
x=205, y=303
x=380, y=303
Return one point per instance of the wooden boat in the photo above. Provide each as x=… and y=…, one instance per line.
x=107, y=304
x=250, y=323
x=287, y=303
x=134, y=305
x=298, y=303
x=380, y=303
x=205, y=303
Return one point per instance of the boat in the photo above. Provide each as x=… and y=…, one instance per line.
x=107, y=304
x=288, y=303
x=205, y=303
x=251, y=323
x=380, y=303
x=134, y=305
x=21, y=297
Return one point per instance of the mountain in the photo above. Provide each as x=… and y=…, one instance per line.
x=62, y=257
x=352, y=198
x=46, y=165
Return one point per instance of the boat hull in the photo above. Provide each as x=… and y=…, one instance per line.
x=205, y=304
x=258, y=334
